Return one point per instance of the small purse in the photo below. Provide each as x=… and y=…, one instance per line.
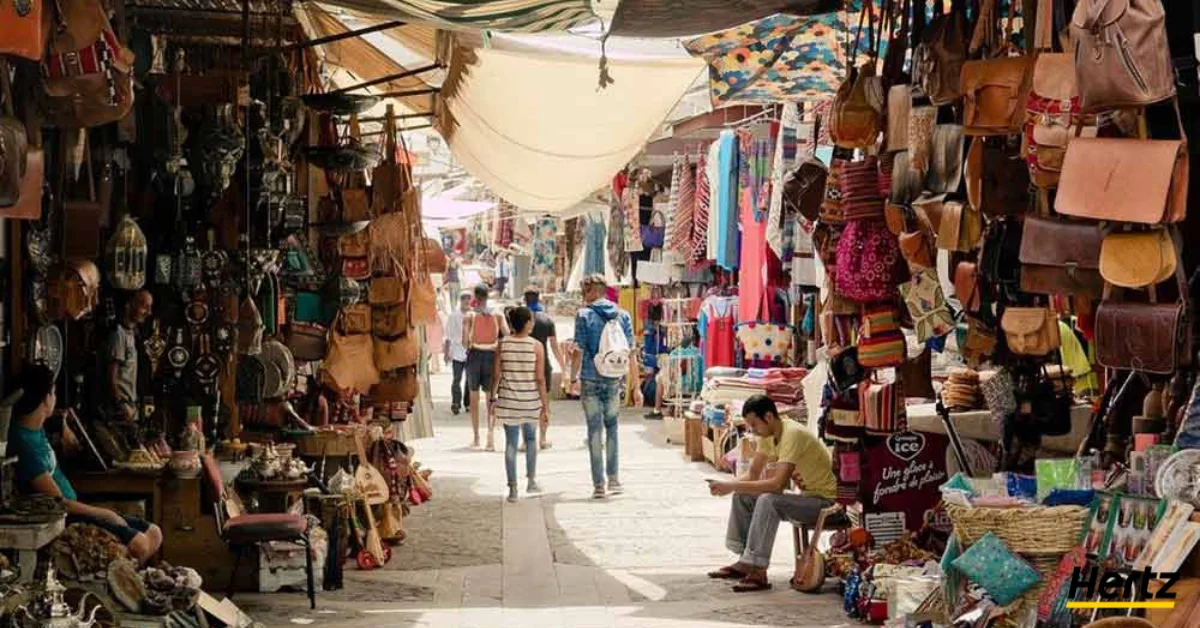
x=1138, y=259
x=927, y=305
x=402, y=386
x=1030, y=330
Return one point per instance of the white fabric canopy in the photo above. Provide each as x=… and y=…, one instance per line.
x=536, y=130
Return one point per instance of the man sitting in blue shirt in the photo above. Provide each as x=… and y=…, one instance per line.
x=601, y=395
x=38, y=470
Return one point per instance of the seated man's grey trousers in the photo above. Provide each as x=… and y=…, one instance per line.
x=754, y=520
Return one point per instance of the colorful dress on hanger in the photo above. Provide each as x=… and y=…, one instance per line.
x=713, y=170
x=727, y=201
x=679, y=230
x=717, y=323
x=545, y=247
x=618, y=260
x=699, y=237
x=753, y=304
x=594, y=245
x=630, y=206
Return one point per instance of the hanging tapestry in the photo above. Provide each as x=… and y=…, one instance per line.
x=679, y=233
x=618, y=260
x=781, y=57
x=545, y=248
x=631, y=223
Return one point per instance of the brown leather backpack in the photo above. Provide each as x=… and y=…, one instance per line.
x=1121, y=53
x=938, y=59
x=88, y=71
x=856, y=117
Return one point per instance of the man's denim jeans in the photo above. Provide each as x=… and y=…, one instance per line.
x=601, y=408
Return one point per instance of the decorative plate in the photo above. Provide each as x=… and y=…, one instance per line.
x=178, y=356
x=277, y=354
x=1174, y=479
x=48, y=348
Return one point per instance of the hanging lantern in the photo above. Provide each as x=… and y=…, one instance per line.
x=188, y=266
x=126, y=255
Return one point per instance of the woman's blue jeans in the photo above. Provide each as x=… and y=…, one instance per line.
x=512, y=439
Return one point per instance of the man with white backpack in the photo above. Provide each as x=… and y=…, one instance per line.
x=604, y=333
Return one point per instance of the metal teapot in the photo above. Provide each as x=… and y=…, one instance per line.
x=56, y=613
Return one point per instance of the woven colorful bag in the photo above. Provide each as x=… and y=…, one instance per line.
x=880, y=342
x=867, y=262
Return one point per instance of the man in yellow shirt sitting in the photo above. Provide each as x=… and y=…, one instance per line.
x=786, y=452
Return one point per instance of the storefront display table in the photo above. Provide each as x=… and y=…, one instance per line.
x=27, y=539
x=979, y=425
x=122, y=483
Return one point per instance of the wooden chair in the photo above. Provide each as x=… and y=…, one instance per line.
x=837, y=517
x=241, y=532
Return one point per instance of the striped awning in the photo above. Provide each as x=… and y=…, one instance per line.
x=517, y=16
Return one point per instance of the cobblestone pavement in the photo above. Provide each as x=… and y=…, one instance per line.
x=563, y=559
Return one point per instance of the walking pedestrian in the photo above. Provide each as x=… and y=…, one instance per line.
x=518, y=397
x=482, y=330
x=456, y=354
x=602, y=393
x=545, y=332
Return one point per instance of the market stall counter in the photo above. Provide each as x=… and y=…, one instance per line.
x=980, y=425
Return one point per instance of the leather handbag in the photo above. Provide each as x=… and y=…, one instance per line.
x=349, y=363
x=961, y=227
x=966, y=286
x=916, y=374
x=1126, y=180
x=14, y=144
x=434, y=257
x=945, y=160
x=24, y=29
x=354, y=319
x=979, y=342
x=355, y=206
x=388, y=290
x=29, y=201
x=1138, y=259
x=389, y=321
x=307, y=341
x=997, y=177
x=401, y=386
x=899, y=103
x=1061, y=257
x=938, y=59
x=88, y=72
x=1162, y=343
x=994, y=94
x=999, y=256
x=1030, y=330
x=355, y=251
x=804, y=188
x=1121, y=53
x=73, y=290
x=422, y=300
x=855, y=118
x=395, y=353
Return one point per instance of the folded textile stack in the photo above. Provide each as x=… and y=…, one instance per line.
x=783, y=386
x=961, y=390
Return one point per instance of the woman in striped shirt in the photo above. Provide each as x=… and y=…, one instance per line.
x=518, y=399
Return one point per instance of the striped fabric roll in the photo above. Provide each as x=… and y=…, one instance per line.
x=700, y=216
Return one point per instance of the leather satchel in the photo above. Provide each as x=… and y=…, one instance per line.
x=389, y=321
x=422, y=300
x=398, y=352
x=856, y=119
x=434, y=256
x=961, y=227
x=14, y=145
x=89, y=80
x=389, y=290
x=804, y=188
x=994, y=94
x=1161, y=343
x=401, y=386
x=945, y=160
x=349, y=364
x=23, y=29
x=1138, y=259
x=966, y=286
x=1121, y=53
x=1126, y=180
x=997, y=177
x=1061, y=257
x=938, y=59
x=307, y=341
x=354, y=319
x=1030, y=330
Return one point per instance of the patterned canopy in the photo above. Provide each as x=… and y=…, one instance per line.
x=781, y=58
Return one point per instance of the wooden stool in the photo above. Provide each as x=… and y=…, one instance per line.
x=837, y=517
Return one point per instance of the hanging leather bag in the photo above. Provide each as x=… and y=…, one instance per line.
x=1061, y=257
x=938, y=59
x=14, y=145
x=995, y=90
x=388, y=290
x=966, y=286
x=856, y=115
x=945, y=160
x=401, y=386
x=1030, y=330
x=24, y=28
x=434, y=255
x=88, y=72
x=399, y=352
x=997, y=177
x=1163, y=338
x=961, y=227
x=804, y=188
x=1128, y=180
x=1138, y=259
x=307, y=341
x=1121, y=53
x=355, y=319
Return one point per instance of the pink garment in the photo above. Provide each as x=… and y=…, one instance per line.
x=752, y=301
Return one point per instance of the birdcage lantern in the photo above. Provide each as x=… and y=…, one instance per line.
x=126, y=254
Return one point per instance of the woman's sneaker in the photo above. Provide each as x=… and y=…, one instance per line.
x=599, y=492
x=532, y=487
x=512, y=494
x=615, y=488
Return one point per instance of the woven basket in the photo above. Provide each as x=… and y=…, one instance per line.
x=1032, y=530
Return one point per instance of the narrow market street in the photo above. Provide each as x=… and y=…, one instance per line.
x=564, y=559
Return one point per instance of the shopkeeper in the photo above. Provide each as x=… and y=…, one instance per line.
x=786, y=452
x=38, y=470
x=120, y=357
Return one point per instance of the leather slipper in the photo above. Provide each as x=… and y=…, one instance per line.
x=750, y=585
x=726, y=573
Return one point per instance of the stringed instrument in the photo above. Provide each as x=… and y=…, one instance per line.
x=810, y=565
x=373, y=554
x=369, y=480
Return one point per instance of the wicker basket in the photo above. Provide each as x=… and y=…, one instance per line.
x=1032, y=530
